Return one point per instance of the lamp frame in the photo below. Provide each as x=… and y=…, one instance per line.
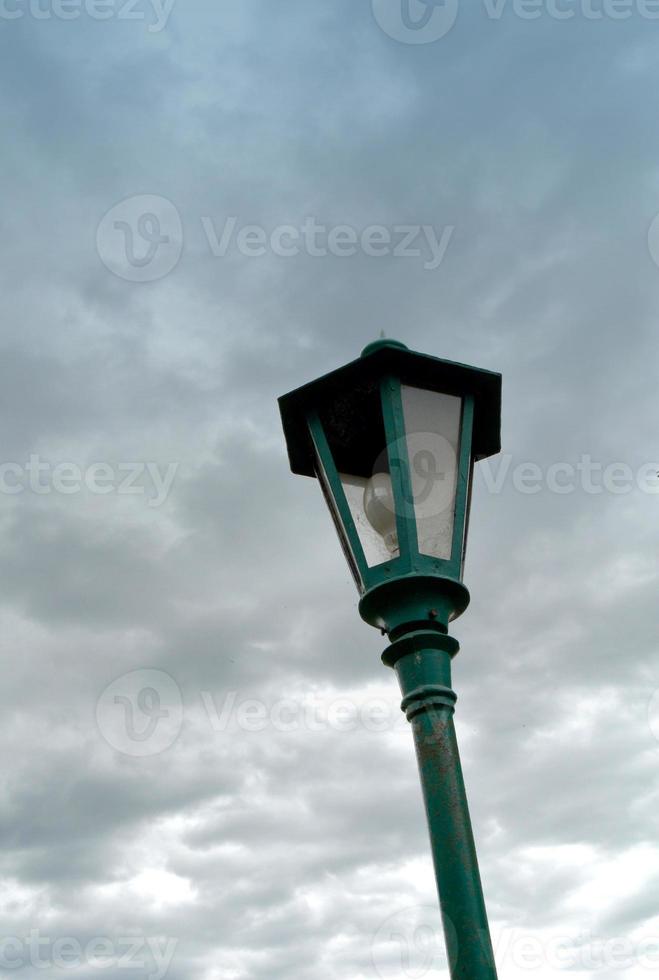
x=311, y=419
x=334, y=425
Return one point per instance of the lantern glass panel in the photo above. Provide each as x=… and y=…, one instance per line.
x=338, y=523
x=374, y=545
x=432, y=432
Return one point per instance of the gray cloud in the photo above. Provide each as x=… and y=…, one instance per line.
x=271, y=854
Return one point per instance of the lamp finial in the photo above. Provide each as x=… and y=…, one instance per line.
x=383, y=341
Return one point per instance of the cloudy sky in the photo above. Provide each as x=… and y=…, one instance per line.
x=206, y=775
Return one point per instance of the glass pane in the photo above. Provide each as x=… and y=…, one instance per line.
x=338, y=523
x=432, y=428
x=378, y=547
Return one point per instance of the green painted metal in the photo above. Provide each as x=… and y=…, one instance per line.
x=422, y=661
x=421, y=578
x=394, y=430
x=338, y=505
x=347, y=419
x=380, y=344
x=463, y=490
x=411, y=602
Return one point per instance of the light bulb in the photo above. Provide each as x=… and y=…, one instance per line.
x=380, y=509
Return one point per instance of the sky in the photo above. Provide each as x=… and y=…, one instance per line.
x=206, y=774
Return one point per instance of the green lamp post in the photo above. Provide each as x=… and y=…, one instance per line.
x=392, y=439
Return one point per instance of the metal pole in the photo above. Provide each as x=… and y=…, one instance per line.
x=422, y=660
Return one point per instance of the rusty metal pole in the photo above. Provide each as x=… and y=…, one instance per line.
x=422, y=661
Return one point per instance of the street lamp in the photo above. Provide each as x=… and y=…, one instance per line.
x=392, y=439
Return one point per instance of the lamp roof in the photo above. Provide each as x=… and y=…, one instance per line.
x=347, y=393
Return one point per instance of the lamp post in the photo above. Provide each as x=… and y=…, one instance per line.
x=392, y=439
